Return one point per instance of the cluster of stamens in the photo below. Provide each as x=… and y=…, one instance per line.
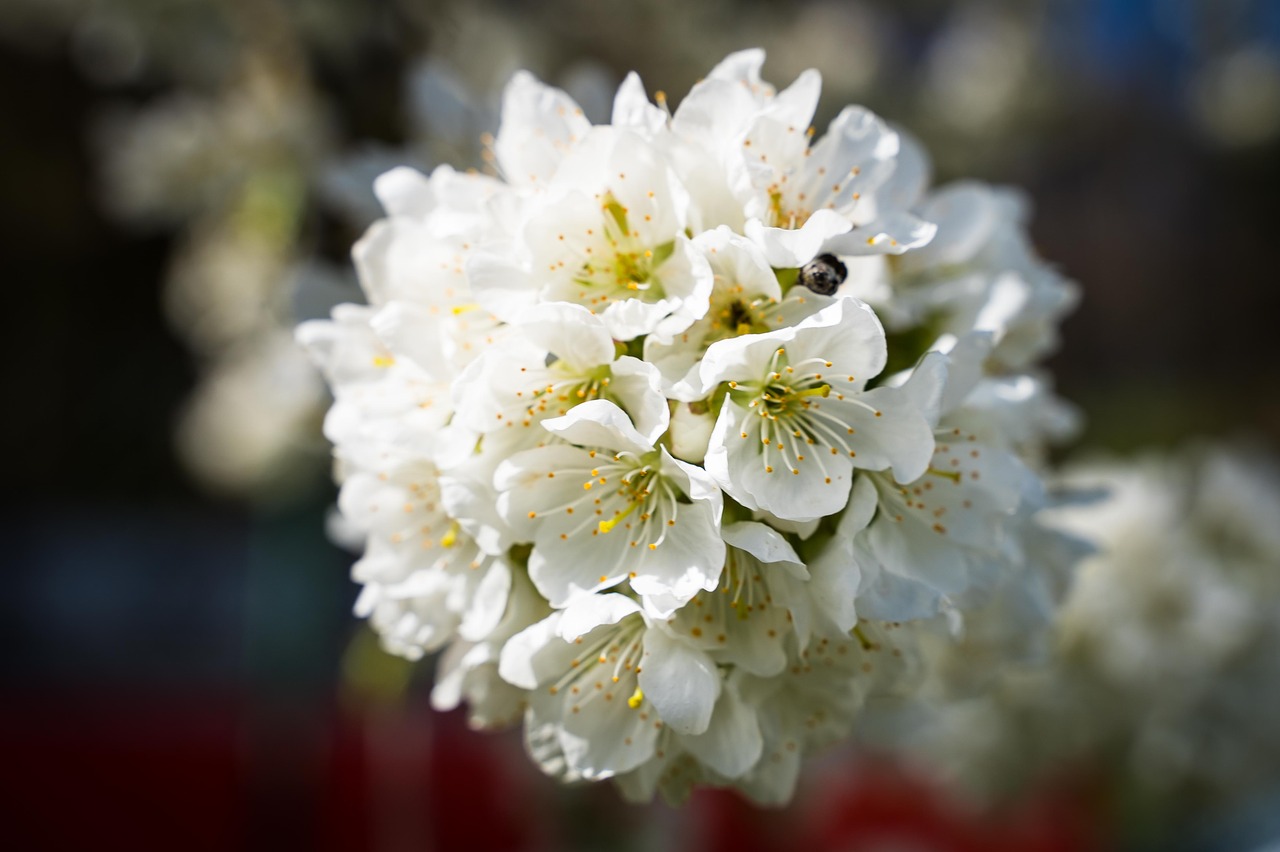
x=953, y=456
x=606, y=667
x=791, y=208
x=786, y=408
x=557, y=396
x=736, y=315
x=622, y=492
x=627, y=272
x=742, y=591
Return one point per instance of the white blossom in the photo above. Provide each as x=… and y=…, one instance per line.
x=561, y=356
x=1159, y=665
x=612, y=680
x=797, y=417
x=611, y=509
x=608, y=234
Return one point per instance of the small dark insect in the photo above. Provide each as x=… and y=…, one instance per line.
x=824, y=274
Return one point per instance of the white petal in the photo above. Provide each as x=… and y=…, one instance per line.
x=682, y=682
x=535, y=655
x=446, y=694
x=895, y=233
x=690, y=433
x=524, y=487
x=599, y=423
x=794, y=106
x=631, y=108
x=571, y=570
x=1009, y=297
x=886, y=596
x=539, y=124
x=411, y=331
x=687, y=276
x=742, y=66
x=569, y=331
x=834, y=580
x=911, y=176
x=628, y=319
x=488, y=393
x=801, y=529
x=967, y=214
x=788, y=249
x=474, y=505
x=607, y=738
x=637, y=385
x=899, y=438
x=965, y=367
x=586, y=614
x=542, y=739
x=689, y=560
x=739, y=262
x=762, y=542
x=714, y=116
x=773, y=781
x=404, y=192
x=732, y=742
x=488, y=603
x=927, y=381
x=862, y=506
x=501, y=285
x=695, y=482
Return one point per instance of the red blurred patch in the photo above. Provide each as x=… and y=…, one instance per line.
x=882, y=807
x=92, y=773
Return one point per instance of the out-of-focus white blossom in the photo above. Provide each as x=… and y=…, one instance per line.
x=1190, y=553
x=245, y=428
x=1163, y=671
x=238, y=186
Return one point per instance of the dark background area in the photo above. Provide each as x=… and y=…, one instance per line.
x=173, y=664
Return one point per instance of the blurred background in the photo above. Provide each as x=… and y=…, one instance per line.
x=182, y=181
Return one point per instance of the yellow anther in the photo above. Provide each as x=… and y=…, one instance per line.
x=636, y=699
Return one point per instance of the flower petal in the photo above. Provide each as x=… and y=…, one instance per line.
x=599, y=423
x=584, y=615
x=631, y=108
x=732, y=743
x=535, y=655
x=539, y=124
x=682, y=682
x=787, y=248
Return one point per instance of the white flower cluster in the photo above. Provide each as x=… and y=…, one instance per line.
x=627, y=438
